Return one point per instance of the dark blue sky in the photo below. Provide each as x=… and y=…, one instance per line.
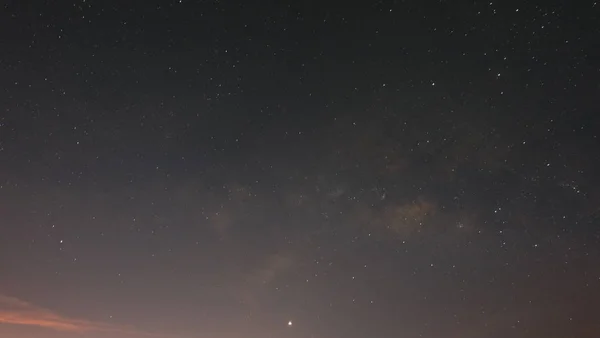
x=376, y=169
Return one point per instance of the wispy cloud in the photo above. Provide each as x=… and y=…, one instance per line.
x=252, y=282
x=273, y=265
x=18, y=312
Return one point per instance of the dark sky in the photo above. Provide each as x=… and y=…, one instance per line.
x=290, y=169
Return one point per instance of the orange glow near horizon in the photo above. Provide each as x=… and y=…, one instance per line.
x=14, y=311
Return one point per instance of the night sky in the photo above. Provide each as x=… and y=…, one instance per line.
x=299, y=169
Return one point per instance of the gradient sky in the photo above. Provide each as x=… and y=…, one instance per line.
x=223, y=169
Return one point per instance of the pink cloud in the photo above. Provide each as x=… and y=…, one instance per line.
x=18, y=312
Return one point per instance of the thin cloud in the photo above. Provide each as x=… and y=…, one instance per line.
x=264, y=273
x=273, y=266
x=15, y=311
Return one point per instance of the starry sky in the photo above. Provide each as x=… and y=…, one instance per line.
x=314, y=169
